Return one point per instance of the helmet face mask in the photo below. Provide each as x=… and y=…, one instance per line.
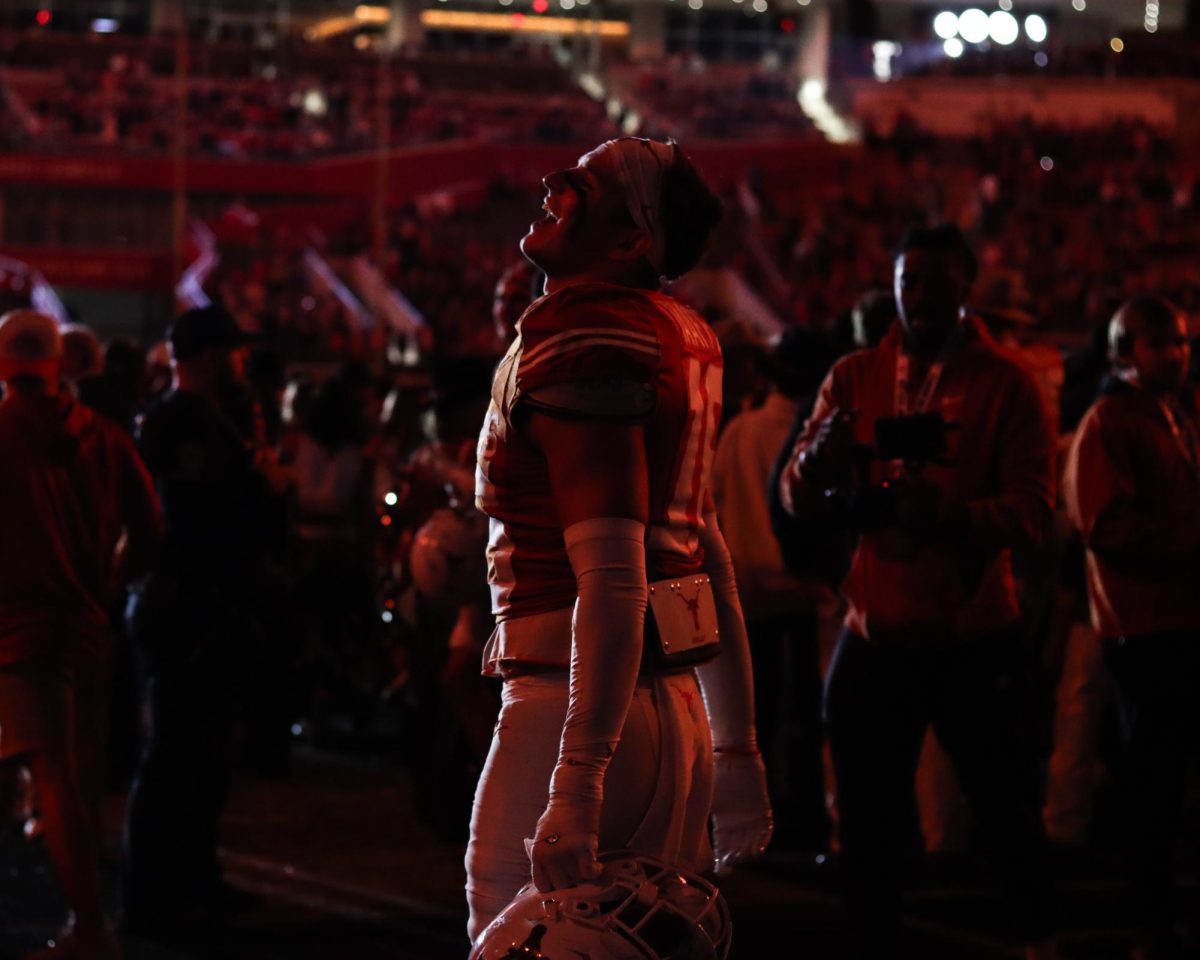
x=638, y=909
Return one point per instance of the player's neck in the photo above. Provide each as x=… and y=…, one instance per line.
x=618, y=275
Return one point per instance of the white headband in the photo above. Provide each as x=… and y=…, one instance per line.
x=640, y=165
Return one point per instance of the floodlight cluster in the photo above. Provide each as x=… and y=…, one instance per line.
x=1151, y=21
x=976, y=26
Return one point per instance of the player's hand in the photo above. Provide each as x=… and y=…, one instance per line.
x=826, y=460
x=741, y=809
x=562, y=859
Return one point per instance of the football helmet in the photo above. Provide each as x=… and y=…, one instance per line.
x=447, y=559
x=639, y=908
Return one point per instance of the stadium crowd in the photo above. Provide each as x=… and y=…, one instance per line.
x=334, y=454
x=125, y=100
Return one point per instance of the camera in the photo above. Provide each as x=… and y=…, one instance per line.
x=915, y=440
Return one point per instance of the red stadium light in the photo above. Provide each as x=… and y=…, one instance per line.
x=518, y=19
x=43, y=18
x=787, y=25
x=540, y=6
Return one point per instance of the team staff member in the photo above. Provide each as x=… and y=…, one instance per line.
x=1132, y=487
x=196, y=623
x=594, y=465
x=930, y=633
x=71, y=485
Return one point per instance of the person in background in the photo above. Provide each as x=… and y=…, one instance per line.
x=71, y=487
x=780, y=606
x=1132, y=486
x=931, y=632
x=196, y=623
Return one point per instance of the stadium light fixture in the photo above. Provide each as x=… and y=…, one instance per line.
x=1003, y=28
x=953, y=48
x=567, y=4
x=1116, y=44
x=1046, y=163
x=883, y=51
x=1035, y=28
x=1006, y=5
x=945, y=24
x=973, y=25
x=104, y=25
x=1079, y=5
x=760, y=6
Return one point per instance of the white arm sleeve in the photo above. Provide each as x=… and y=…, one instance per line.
x=741, y=809
x=727, y=683
x=608, y=557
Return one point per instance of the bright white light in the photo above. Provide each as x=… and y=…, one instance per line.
x=695, y=4
x=314, y=103
x=1003, y=28
x=567, y=4
x=973, y=25
x=390, y=498
x=1005, y=4
x=386, y=616
x=1151, y=26
x=945, y=24
x=505, y=3
x=1046, y=163
x=104, y=25
x=1035, y=28
x=884, y=50
x=760, y=6
x=804, y=3
x=583, y=3
x=953, y=47
x=1079, y=5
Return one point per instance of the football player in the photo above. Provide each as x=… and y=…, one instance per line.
x=593, y=467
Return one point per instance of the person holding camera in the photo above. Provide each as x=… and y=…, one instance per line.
x=1132, y=488
x=932, y=457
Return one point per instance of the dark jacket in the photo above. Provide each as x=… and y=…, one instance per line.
x=1003, y=472
x=1135, y=499
x=70, y=483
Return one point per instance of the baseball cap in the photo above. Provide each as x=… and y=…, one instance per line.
x=30, y=345
x=206, y=328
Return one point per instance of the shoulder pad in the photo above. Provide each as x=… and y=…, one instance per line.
x=591, y=334
x=607, y=399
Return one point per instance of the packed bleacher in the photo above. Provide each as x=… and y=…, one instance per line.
x=66, y=93
x=691, y=98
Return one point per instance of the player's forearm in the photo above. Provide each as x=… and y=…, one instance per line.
x=608, y=557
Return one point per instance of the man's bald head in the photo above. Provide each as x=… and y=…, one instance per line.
x=1136, y=318
x=1148, y=342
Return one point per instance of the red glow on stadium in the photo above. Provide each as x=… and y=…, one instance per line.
x=787, y=25
x=540, y=6
x=43, y=18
